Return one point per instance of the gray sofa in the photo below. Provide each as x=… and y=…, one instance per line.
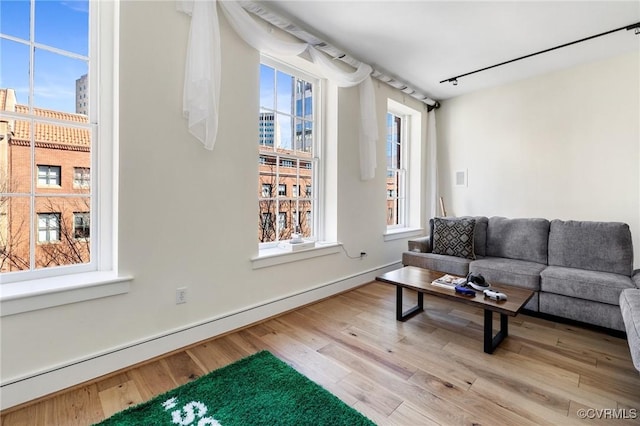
x=576, y=269
x=630, y=307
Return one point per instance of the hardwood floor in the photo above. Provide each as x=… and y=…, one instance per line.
x=430, y=370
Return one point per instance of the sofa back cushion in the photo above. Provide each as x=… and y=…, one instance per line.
x=596, y=246
x=479, y=234
x=522, y=239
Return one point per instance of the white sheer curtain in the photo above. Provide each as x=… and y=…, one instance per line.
x=202, y=73
x=368, y=120
x=201, y=91
x=432, y=164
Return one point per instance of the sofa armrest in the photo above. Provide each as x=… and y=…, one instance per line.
x=635, y=277
x=420, y=245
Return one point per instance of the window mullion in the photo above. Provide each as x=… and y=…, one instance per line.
x=32, y=149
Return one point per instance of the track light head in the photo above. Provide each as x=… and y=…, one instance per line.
x=637, y=31
x=454, y=81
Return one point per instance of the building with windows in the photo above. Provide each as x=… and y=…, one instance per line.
x=60, y=178
x=82, y=95
x=285, y=196
x=267, y=129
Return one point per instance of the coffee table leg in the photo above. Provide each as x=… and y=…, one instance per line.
x=403, y=316
x=491, y=342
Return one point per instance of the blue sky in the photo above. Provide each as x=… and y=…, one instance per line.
x=60, y=24
x=276, y=94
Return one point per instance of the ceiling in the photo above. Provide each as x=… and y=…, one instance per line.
x=424, y=42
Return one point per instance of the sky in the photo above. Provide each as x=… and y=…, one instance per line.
x=276, y=94
x=59, y=24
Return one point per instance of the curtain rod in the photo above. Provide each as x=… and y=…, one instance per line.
x=285, y=25
x=635, y=26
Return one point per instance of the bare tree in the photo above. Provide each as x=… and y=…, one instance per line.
x=14, y=232
x=74, y=245
x=281, y=211
x=267, y=203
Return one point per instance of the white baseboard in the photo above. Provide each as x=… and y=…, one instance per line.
x=38, y=384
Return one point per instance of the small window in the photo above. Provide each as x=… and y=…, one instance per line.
x=81, y=177
x=266, y=190
x=267, y=220
x=48, y=175
x=48, y=227
x=282, y=190
x=81, y=225
x=282, y=220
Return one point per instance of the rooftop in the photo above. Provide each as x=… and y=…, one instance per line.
x=46, y=134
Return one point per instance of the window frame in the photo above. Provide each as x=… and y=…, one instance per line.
x=85, y=217
x=82, y=183
x=93, y=66
x=315, y=161
x=414, y=150
x=48, y=183
x=400, y=172
x=24, y=291
x=48, y=228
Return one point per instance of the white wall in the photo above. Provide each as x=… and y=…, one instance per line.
x=187, y=216
x=563, y=145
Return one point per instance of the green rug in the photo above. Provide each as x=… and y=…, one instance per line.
x=257, y=390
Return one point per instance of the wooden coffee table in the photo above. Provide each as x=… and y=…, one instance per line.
x=419, y=279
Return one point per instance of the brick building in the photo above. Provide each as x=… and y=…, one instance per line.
x=53, y=179
x=285, y=194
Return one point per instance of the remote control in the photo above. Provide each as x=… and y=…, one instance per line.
x=465, y=291
x=495, y=295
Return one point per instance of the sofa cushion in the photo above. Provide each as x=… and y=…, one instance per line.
x=587, y=311
x=453, y=237
x=602, y=287
x=518, y=273
x=523, y=239
x=437, y=262
x=479, y=234
x=596, y=246
x=630, y=309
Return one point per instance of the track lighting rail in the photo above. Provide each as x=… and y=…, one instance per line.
x=635, y=27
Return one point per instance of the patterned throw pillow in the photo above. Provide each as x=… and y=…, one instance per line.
x=453, y=237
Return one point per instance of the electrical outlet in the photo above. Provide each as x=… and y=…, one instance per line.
x=181, y=295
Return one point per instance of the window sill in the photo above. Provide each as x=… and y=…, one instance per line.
x=26, y=296
x=400, y=233
x=278, y=256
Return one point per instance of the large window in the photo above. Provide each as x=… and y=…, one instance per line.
x=51, y=137
x=405, y=171
x=287, y=152
x=396, y=171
